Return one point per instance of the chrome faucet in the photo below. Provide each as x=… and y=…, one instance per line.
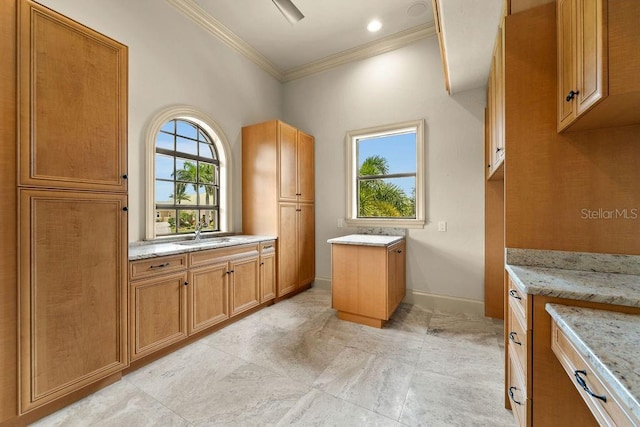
x=198, y=230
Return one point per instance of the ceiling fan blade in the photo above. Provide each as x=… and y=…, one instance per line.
x=289, y=10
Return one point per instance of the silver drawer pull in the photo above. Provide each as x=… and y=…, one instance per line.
x=514, y=294
x=160, y=265
x=511, y=395
x=512, y=337
x=584, y=386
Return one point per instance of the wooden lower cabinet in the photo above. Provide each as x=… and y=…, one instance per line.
x=267, y=271
x=175, y=296
x=158, y=313
x=72, y=288
x=296, y=246
x=208, y=296
x=547, y=395
x=244, y=284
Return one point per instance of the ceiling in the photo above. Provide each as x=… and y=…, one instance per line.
x=334, y=32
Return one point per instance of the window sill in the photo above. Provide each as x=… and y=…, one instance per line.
x=385, y=223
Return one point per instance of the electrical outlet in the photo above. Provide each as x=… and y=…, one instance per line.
x=340, y=222
x=442, y=225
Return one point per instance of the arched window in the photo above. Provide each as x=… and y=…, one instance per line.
x=190, y=164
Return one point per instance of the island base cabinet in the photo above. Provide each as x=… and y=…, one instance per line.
x=158, y=313
x=368, y=282
x=72, y=292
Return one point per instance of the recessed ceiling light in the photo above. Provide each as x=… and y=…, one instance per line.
x=374, y=26
x=417, y=8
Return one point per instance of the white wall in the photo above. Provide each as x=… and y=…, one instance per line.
x=174, y=61
x=405, y=84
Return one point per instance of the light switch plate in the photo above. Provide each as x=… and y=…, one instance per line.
x=442, y=225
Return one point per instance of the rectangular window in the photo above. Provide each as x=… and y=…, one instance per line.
x=385, y=176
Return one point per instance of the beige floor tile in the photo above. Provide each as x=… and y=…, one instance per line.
x=320, y=409
x=120, y=404
x=375, y=383
x=443, y=401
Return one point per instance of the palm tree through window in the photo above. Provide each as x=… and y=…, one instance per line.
x=187, y=181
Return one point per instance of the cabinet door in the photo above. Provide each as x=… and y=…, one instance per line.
x=73, y=291
x=589, y=54
x=306, y=244
x=267, y=273
x=288, y=249
x=245, y=286
x=208, y=296
x=395, y=276
x=305, y=167
x=288, y=163
x=73, y=104
x=158, y=313
x=566, y=61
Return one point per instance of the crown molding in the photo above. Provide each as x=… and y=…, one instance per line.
x=200, y=16
x=358, y=53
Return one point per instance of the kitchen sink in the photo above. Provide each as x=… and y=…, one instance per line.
x=213, y=241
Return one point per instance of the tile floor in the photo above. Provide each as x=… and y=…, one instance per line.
x=296, y=363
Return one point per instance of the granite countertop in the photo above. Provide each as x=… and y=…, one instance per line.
x=609, y=341
x=611, y=279
x=152, y=249
x=366, y=240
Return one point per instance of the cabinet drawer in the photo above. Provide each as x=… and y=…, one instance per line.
x=520, y=405
x=267, y=247
x=155, y=266
x=518, y=338
x=520, y=301
x=607, y=410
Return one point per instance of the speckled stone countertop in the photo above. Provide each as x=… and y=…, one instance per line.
x=151, y=249
x=609, y=341
x=366, y=240
x=608, y=279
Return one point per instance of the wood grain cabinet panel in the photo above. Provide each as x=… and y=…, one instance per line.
x=245, y=284
x=158, y=313
x=597, y=87
x=73, y=104
x=267, y=271
x=278, y=197
x=73, y=314
x=368, y=282
x=208, y=296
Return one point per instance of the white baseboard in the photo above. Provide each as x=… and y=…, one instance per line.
x=427, y=301
x=444, y=303
x=322, y=283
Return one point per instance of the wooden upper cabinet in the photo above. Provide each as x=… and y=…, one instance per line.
x=566, y=61
x=287, y=156
x=72, y=106
x=73, y=284
x=597, y=65
x=495, y=134
x=306, y=168
x=296, y=166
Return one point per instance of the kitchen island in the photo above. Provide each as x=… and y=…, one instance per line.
x=368, y=277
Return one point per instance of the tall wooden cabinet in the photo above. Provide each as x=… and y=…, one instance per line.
x=71, y=204
x=278, y=197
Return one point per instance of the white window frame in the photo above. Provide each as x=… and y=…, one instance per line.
x=351, y=139
x=185, y=112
